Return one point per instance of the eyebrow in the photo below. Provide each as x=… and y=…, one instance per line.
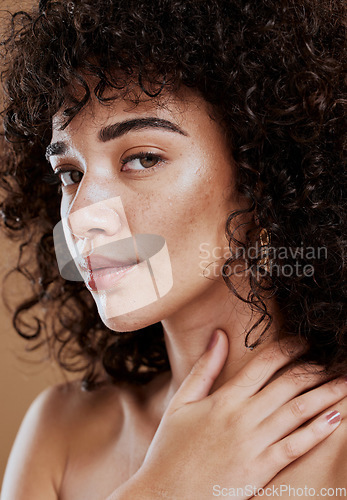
x=118, y=129
x=56, y=148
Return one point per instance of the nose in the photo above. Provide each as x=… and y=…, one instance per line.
x=97, y=224
x=96, y=219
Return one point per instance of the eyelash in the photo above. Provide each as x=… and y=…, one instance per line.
x=140, y=156
x=53, y=178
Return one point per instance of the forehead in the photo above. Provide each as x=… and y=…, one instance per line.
x=183, y=106
x=184, y=112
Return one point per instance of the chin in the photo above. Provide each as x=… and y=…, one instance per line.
x=135, y=319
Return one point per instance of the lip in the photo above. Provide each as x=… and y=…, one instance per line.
x=104, y=272
x=94, y=262
x=106, y=278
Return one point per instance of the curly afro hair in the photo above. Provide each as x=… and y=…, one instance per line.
x=273, y=71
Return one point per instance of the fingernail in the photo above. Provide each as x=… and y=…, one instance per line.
x=213, y=340
x=334, y=417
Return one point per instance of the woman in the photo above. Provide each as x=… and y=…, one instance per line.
x=176, y=130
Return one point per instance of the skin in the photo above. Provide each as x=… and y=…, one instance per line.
x=101, y=439
x=190, y=192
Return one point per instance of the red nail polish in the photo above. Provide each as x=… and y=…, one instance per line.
x=334, y=417
x=213, y=340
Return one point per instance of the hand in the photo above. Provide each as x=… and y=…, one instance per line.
x=242, y=434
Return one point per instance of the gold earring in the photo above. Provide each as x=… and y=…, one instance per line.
x=265, y=239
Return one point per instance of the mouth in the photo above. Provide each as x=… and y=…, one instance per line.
x=104, y=273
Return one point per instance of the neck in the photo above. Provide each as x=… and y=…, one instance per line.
x=187, y=333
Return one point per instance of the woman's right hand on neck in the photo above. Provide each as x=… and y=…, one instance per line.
x=241, y=435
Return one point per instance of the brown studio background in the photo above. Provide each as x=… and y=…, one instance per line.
x=22, y=377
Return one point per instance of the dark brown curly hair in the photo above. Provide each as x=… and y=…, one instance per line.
x=273, y=71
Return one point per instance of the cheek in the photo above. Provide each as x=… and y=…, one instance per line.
x=202, y=204
x=187, y=211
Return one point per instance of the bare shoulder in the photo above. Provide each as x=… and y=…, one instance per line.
x=324, y=468
x=39, y=437
x=46, y=433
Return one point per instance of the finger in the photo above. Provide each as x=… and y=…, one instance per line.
x=257, y=372
x=299, y=410
x=282, y=453
x=289, y=384
x=204, y=372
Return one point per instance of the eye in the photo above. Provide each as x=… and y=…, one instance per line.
x=69, y=177
x=141, y=161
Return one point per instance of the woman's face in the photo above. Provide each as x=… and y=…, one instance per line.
x=161, y=170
